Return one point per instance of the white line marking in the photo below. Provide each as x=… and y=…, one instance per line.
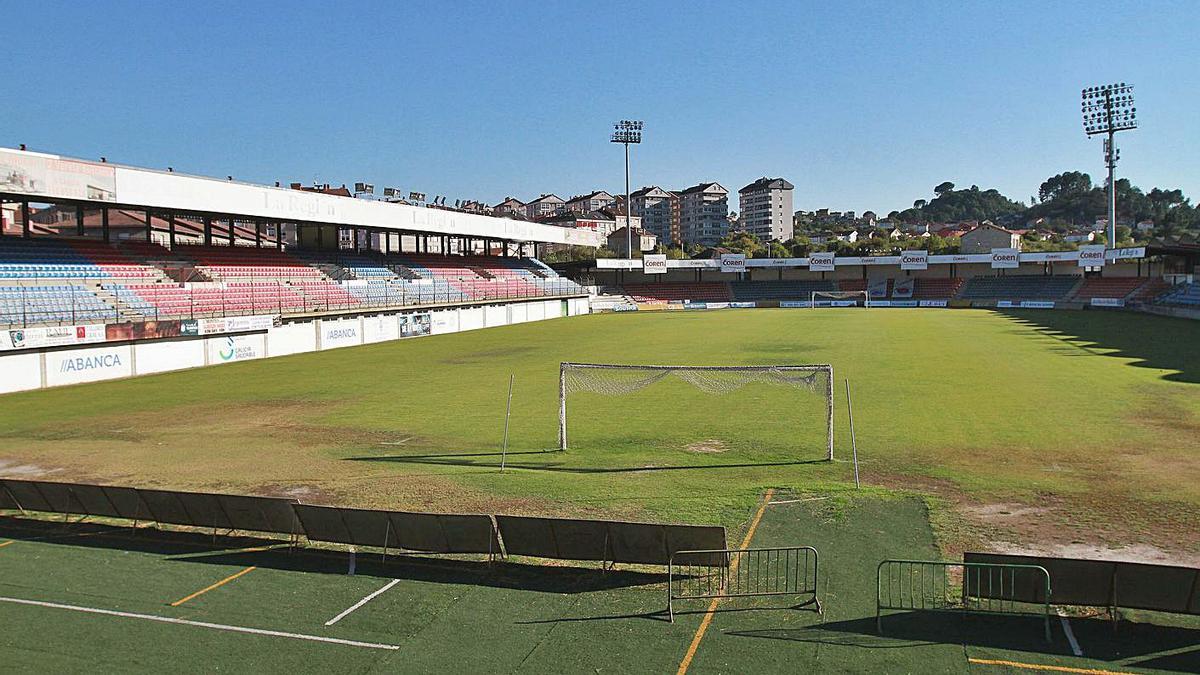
x=360, y=603
x=1070, y=633
x=202, y=624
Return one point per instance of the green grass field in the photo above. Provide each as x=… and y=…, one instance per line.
x=1072, y=433
x=1088, y=421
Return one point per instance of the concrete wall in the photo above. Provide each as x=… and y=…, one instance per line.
x=34, y=369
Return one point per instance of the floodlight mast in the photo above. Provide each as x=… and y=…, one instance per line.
x=626, y=132
x=1108, y=109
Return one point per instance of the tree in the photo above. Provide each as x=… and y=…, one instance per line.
x=778, y=250
x=919, y=204
x=969, y=204
x=943, y=188
x=742, y=242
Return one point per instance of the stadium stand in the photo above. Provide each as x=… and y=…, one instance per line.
x=780, y=290
x=71, y=281
x=52, y=304
x=1019, y=287
x=66, y=260
x=937, y=289
x=1187, y=295
x=224, y=263
x=706, y=291
x=1150, y=290
x=1108, y=287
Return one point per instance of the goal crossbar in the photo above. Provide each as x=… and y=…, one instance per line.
x=714, y=379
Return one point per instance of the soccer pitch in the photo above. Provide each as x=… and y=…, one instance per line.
x=1053, y=432
x=1090, y=418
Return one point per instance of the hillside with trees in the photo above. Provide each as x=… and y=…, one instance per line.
x=1063, y=202
x=949, y=205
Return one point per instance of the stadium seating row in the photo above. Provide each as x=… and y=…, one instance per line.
x=1187, y=295
x=1019, y=287
x=133, y=280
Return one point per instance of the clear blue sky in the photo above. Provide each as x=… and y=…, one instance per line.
x=864, y=106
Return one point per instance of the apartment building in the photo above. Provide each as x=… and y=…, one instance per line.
x=765, y=209
x=594, y=201
x=703, y=214
x=543, y=206
x=657, y=208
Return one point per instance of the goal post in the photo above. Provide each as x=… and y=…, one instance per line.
x=620, y=379
x=834, y=296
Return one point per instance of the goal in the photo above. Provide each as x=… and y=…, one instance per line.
x=840, y=298
x=813, y=381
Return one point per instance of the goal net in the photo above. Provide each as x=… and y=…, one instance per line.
x=840, y=299
x=760, y=409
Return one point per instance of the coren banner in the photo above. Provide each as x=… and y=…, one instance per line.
x=1005, y=259
x=1091, y=256
x=654, y=264
x=914, y=260
x=821, y=262
x=733, y=262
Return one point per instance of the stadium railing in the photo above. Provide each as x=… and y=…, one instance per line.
x=741, y=573
x=984, y=588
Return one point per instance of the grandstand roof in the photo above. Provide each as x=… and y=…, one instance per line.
x=52, y=178
x=1184, y=245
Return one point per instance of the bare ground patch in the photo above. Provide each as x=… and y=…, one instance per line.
x=1141, y=553
x=711, y=445
x=11, y=469
x=1108, y=522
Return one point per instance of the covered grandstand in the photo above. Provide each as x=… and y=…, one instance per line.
x=110, y=271
x=91, y=241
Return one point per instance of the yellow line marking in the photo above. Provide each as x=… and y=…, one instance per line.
x=1038, y=666
x=712, y=606
x=10, y=541
x=220, y=583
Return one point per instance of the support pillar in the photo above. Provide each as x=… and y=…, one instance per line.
x=208, y=230
x=104, y=232
x=79, y=220
x=26, y=231
x=171, y=230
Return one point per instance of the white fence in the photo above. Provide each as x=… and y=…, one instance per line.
x=47, y=367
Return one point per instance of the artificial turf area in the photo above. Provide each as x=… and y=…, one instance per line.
x=437, y=615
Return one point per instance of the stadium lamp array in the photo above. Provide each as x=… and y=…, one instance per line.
x=1108, y=108
x=627, y=131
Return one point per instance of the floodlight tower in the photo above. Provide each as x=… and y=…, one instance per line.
x=1108, y=109
x=626, y=132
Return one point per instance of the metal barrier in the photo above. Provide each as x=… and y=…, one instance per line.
x=740, y=573
x=985, y=588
